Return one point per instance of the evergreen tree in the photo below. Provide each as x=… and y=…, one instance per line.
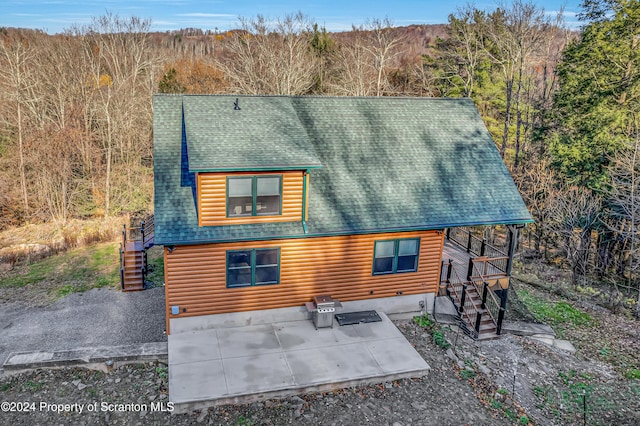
x=597, y=104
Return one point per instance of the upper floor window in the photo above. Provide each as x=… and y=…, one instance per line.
x=392, y=256
x=254, y=196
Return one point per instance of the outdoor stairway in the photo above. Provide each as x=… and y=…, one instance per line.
x=136, y=241
x=133, y=277
x=473, y=278
x=488, y=328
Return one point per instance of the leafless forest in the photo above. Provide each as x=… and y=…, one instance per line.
x=561, y=105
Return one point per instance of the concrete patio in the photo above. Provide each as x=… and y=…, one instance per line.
x=243, y=364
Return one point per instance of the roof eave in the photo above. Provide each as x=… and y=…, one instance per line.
x=255, y=168
x=338, y=233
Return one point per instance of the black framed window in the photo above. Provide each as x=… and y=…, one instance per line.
x=253, y=267
x=254, y=196
x=395, y=256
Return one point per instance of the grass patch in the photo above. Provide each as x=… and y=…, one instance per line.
x=155, y=262
x=578, y=395
x=467, y=374
x=32, y=386
x=632, y=374
x=555, y=313
x=423, y=321
x=437, y=334
x=77, y=270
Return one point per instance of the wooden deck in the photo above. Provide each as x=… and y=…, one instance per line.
x=459, y=258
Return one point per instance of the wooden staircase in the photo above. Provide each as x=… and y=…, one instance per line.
x=487, y=329
x=480, y=307
x=136, y=241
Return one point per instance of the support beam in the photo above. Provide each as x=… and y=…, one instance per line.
x=513, y=240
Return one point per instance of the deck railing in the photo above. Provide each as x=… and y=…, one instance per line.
x=496, y=258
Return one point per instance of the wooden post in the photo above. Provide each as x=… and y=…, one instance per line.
x=462, y=299
x=469, y=242
x=485, y=290
x=483, y=246
x=503, y=308
x=478, y=320
x=513, y=240
x=121, y=267
x=470, y=269
x=449, y=270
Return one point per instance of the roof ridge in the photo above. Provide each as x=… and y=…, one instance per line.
x=246, y=95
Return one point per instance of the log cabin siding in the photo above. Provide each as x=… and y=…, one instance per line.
x=340, y=266
x=212, y=199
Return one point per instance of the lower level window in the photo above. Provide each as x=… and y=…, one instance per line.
x=393, y=256
x=253, y=267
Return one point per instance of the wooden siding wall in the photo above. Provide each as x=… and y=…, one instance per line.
x=212, y=199
x=341, y=266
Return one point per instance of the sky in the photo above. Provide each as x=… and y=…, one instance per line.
x=54, y=16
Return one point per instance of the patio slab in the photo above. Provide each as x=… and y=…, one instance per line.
x=245, y=364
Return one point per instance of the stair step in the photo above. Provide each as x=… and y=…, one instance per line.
x=133, y=288
x=132, y=256
x=484, y=327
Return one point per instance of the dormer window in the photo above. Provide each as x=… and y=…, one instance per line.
x=254, y=195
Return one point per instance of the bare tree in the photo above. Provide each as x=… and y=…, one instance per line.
x=464, y=48
x=270, y=57
x=363, y=60
x=538, y=187
x=514, y=32
x=122, y=78
x=17, y=59
x=624, y=197
x=575, y=216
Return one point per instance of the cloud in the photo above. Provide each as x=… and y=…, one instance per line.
x=206, y=15
x=565, y=13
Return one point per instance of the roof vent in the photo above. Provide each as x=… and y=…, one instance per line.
x=236, y=105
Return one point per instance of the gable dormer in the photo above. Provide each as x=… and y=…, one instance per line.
x=251, y=157
x=251, y=197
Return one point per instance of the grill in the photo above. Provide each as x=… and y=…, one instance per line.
x=322, y=309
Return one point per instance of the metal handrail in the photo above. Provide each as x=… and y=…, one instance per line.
x=457, y=287
x=490, y=302
x=475, y=245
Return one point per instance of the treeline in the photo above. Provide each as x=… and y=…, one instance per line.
x=561, y=104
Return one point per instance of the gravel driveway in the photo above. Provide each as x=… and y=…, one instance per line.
x=98, y=317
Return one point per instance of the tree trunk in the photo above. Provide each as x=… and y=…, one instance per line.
x=507, y=117
x=23, y=178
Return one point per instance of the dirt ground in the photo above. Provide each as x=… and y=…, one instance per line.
x=471, y=383
x=509, y=381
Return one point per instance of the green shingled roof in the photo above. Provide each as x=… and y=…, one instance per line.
x=247, y=133
x=387, y=164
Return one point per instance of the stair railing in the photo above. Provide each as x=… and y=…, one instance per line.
x=143, y=233
x=490, y=304
x=456, y=290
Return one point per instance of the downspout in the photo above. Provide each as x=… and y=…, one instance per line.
x=304, y=201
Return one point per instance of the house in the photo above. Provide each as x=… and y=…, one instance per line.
x=263, y=202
